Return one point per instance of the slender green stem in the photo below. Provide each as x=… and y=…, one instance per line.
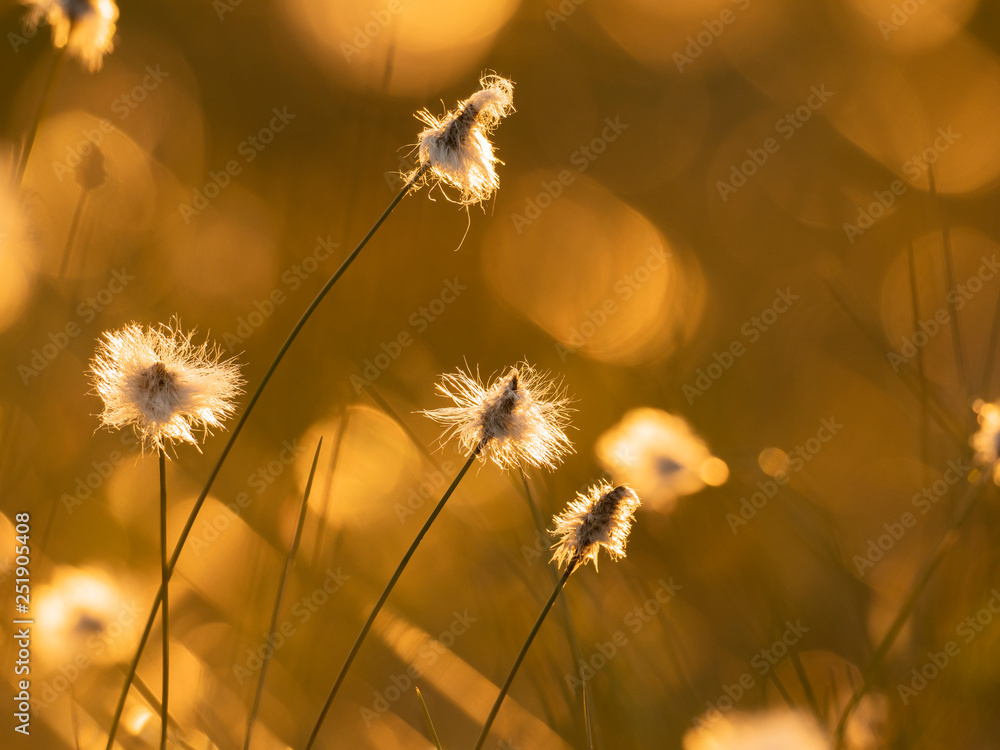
x=71, y=236
x=319, y=539
x=574, y=643
x=189, y=524
x=43, y=106
x=430, y=724
x=586, y=714
x=165, y=622
x=524, y=650
x=923, y=577
x=385, y=595
x=991, y=350
x=289, y=559
x=915, y=306
x=949, y=276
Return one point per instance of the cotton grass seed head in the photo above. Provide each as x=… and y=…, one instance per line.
x=775, y=730
x=86, y=26
x=986, y=442
x=158, y=381
x=600, y=518
x=520, y=416
x=456, y=149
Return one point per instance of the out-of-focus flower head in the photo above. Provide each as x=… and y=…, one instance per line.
x=521, y=416
x=163, y=385
x=455, y=149
x=986, y=442
x=85, y=27
x=83, y=611
x=774, y=730
x=659, y=455
x=600, y=518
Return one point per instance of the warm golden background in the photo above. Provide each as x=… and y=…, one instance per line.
x=610, y=212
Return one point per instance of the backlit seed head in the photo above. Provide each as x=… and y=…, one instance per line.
x=600, y=518
x=163, y=385
x=520, y=417
x=85, y=27
x=455, y=149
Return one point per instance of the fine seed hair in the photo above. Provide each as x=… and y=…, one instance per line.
x=163, y=385
x=455, y=149
x=601, y=517
x=85, y=27
x=520, y=417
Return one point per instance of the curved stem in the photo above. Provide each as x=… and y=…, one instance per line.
x=925, y=575
x=71, y=236
x=524, y=650
x=43, y=106
x=164, y=577
x=189, y=524
x=385, y=595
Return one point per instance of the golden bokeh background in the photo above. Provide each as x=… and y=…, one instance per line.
x=755, y=239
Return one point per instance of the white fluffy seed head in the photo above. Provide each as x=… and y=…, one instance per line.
x=85, y=27
x=455, y=149
x=600, y=518
x=520, y=417
x=986, y=442
x=158, y=381
x=780, y=729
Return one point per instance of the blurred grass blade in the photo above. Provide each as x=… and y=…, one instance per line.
x=43, y=108
x=927, y=571
x=430, y=724
x=939, y=413
x=949, y=276
x=289, y=560
x=586, y=714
